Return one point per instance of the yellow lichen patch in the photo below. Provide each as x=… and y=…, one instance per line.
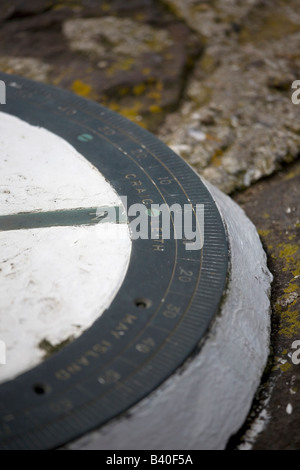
x=212, y=137
x=287, y=253
x=66, y=4
x=154, y=95
x=216, y=159
x=113, y=106
x=296, y=272
x=155, y=109
x=126, y=64
x=291, y=237
x=208, y=63
x=293, y=173
x=139, y=17
x=130, y=112
x=290, y=321
x=105, y=6
x=133, y=113
x=81, y=88
x=139, y=89
x=282, y=365
x=264, y=233
x=266, y=215
x=146, y=71
x=285, y=367
x=291, y=288
x=159, y=85
x=121, y=66
x=124, y=91
x=169, y=56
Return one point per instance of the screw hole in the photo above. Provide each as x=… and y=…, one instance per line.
x=40, y=389
x=142, y=303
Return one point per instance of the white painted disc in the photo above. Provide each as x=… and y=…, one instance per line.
x=54, y=281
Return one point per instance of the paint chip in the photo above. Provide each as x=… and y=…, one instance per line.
x=289, y=409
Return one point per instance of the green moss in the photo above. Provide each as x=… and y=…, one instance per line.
x=50, y=349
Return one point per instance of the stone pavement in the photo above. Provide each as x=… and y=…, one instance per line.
x=212, y=79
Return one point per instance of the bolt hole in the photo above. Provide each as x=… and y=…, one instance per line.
x=142, y=303
x=40, y=389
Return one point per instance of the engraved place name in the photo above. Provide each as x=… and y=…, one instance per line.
x=75, y=367
x=162, y=222
x=123, y=326
x=97, y=350
x=139, y=189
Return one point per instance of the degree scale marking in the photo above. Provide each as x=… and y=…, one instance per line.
x=59, y=111
x=181, y=315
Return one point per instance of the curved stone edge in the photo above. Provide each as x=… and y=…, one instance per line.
x=208, y=399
